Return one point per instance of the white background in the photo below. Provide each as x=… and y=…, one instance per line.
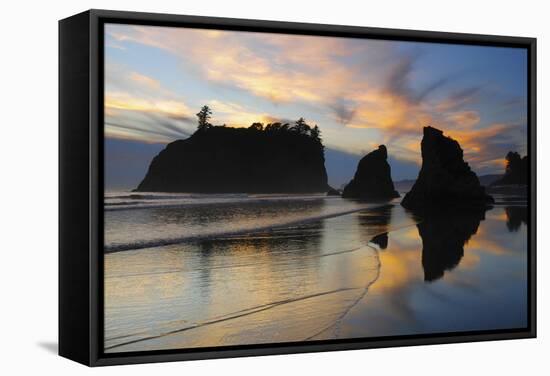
x=28, y=184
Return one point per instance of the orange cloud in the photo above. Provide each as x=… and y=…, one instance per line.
x=293, y=68
x=236, y=115
x=138, y=107
x=352, y=86
x=465, y=119
x=145, y=80
x=125, y=101
x=476, y=143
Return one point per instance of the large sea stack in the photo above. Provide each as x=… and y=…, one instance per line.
x=239, y=160
x=372, y=179
x=445, y=178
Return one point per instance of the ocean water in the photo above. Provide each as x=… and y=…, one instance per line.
x=144, y=220
x=186, y=270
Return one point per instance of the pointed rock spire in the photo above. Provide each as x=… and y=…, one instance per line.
x=445, y=178
x=372, y=179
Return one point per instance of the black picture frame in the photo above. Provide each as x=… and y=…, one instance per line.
x=81, y=186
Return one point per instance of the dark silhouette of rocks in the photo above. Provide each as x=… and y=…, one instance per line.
x=515, y=216
x=218, y=159
x=372, y=179
x=516, y=171
x=444, y=234
x=381, y=240
x=445, y=178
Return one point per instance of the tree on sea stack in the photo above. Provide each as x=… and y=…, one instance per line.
x=257, y=126
x=271, y=159
x=316, y=133
x=204, y=116
x=301, y=127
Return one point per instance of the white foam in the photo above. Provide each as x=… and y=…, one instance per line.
x=150, y=243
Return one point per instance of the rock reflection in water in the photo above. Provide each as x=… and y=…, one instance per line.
x=288, y=284
x=381, y=240
x=375, y=225
x=515, y=216
x=444, y=234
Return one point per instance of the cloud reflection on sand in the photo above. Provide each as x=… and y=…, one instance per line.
x=320, y=280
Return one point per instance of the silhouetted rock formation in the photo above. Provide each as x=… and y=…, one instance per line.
x=515, y=216
x=372, y=179
x=516, y=170
x=240, y=160
x=444, y=179
x=381, y=240
x=444, y=234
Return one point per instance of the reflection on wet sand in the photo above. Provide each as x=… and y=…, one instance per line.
x=443, y=237
x=284, y=285
x=377, y=272
x=381, y=240
x=516, y=215
x=463, y=271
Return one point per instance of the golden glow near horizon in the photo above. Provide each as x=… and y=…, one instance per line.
x=360, y=92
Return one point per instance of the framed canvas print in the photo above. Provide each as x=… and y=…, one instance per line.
x=238, y=187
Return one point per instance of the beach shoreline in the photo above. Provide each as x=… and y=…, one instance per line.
x=311, y=280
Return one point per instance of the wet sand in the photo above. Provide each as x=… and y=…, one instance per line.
x=376, y=272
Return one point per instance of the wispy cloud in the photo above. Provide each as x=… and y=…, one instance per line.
x=237, y=115
x=139, y=107
x=348, y=85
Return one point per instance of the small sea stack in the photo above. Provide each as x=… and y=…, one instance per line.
x=516, y=170
x=445, y=178
x=372, y=179
x=381, y=240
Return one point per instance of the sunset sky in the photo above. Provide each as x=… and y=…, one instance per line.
x=361, y=93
